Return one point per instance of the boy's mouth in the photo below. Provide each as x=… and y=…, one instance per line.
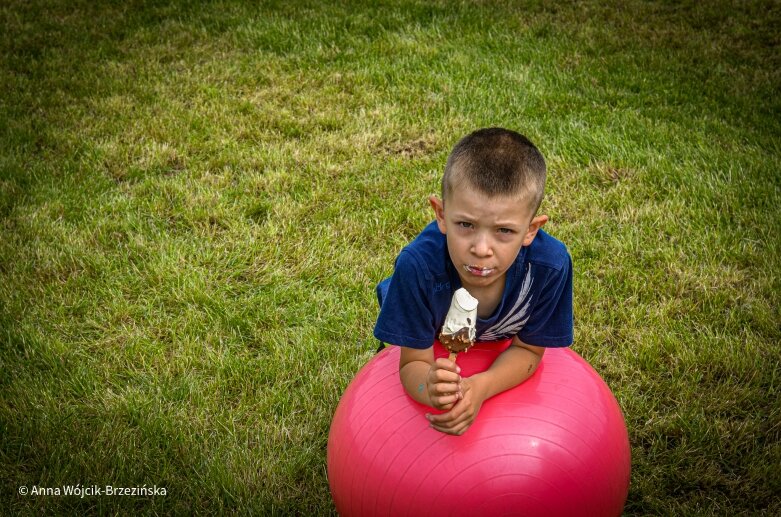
x=479, y=271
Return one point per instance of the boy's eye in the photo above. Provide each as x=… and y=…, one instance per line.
x=505, y=230
x=464, y=224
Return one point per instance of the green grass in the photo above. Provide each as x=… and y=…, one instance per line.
x=197, y=199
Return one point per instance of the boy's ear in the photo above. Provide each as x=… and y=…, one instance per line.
x=439, y=211
x=537, y=223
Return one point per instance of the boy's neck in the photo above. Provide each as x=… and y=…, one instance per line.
x=488, y=297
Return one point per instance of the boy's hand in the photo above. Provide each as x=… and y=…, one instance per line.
x=462, y=414
x=444, y=384
x=513, y=366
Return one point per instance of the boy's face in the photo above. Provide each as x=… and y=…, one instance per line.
x=484, y=233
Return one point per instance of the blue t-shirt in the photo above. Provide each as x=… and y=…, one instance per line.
x=536, y=303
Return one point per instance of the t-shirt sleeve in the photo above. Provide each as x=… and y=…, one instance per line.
x=406, y=317
x=550, y=324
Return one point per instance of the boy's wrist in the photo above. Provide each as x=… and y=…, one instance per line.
x=505, y=374
x=480, y=384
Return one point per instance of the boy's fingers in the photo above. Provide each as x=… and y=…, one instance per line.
x=446, y=376
x=447, y=364
x=457, y=428
x=446, y=387
x=447, y=430
x=455, y=416
x=447, y=400
x=444, y=419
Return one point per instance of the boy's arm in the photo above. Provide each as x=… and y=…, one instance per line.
x=512, y=367
x=432, y=383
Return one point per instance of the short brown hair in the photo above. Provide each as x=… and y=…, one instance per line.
x=497, y=162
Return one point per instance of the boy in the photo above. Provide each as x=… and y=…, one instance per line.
x=487, y=238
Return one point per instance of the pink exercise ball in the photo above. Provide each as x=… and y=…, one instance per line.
x=555, y=445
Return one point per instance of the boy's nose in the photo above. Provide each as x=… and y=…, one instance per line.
x=481, y=247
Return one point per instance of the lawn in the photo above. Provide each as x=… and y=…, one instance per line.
x=198, y=198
